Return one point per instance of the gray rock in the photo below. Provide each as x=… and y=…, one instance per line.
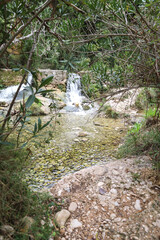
x=138, y=205
x=1, y=238
x=75, y=224
x=27, y=223
x=7, y=230
x=61, y=217
x=72, y=207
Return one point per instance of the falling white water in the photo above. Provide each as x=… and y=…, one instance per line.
x=7, y=94
x=73, y=93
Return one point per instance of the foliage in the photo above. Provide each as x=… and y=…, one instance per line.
x=109, y=112
x=17, y=201
x=147, y=98
x=116, y=40
x=24, y=112
x=143, y=140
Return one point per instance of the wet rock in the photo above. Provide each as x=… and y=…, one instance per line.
x=75, y=224
x=138, y=205
x=76, y=140
x=84, y=139
x=7, y=230
x=82, y=134
x=3, y=104
x=62, y=216
x=61, y=105
x=86, y=107
x=72, y=207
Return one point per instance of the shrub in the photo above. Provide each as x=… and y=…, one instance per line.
x=18, y=201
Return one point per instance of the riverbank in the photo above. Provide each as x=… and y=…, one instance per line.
x=118, y=200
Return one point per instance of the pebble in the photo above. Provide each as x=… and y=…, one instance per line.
x=100, y=184
x=113, y=191
x=72, y=207
x=158, y=223
x=102, y=191
x=145, y=228
x=138, y=205
x=42, y=222
x=113, y=216
x=75, y=224
x=7, y=230
x=115, y=172
x=62, y=216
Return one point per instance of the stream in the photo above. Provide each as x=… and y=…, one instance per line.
x=74, y=140
x=78, y=141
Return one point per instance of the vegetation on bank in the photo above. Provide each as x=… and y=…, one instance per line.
x=18, y=202
x=144, y=139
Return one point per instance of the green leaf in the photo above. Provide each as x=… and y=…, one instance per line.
x=24, y=144
x=44, y=91
x=39, y=124
x=7, y=143
x=46, y=81
x=38, y=101
x=30, y=101
x=46, y=124
x=16, y=69
x=35, y=128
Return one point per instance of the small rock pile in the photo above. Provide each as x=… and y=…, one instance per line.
x=118, y=200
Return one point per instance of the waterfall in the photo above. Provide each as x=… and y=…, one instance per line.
x=7, y=94
x=73, y=93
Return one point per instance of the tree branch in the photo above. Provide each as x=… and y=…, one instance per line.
x=3, y=2
x=73, y=6
x=24, y=26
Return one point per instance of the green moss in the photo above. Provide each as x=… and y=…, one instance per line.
x=8, y=78
x=109, y=112
x=36, y=110
x=61, y=87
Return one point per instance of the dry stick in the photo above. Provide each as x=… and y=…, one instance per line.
x=75, y=7
x=24, y=26
x=106, y=35
x=12, y=103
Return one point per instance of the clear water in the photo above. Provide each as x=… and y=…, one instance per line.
x=73, y=94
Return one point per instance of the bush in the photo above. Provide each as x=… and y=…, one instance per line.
x=109, y=112
x=143, y=140
x=18, y=201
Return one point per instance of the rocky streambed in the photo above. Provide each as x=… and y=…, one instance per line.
x=77, y=141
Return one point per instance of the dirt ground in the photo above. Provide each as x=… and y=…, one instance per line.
x=118, y=200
